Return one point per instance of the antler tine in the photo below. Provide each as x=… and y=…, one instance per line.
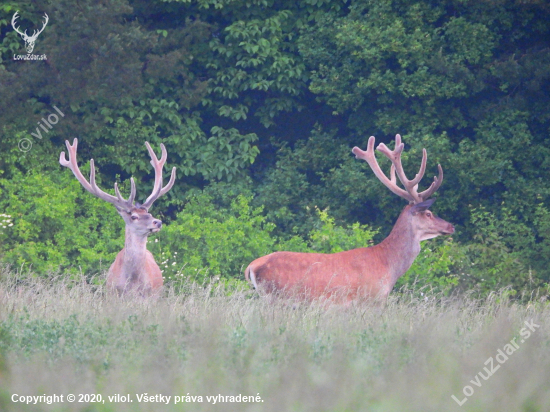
x=118, y=201
x=15, y=16
x=370, y=158
x=170, y=182
x=422, y=170
x=47, y=19
x=35, y=33
x=411, y=186
x=158, y=165
x=132, y=196
x=395, y=157
x=434, y=186
x=72, y=164
x=91, y=186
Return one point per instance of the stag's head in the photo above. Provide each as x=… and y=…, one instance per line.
x=136, y=216
x=139, y=221
x=417, y=214
x=29, y=40
x=425, y=223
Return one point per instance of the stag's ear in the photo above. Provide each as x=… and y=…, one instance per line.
x=122, y=210
x=421, y=207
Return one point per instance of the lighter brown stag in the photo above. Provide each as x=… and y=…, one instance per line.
x=134, y=269
x=364, y=272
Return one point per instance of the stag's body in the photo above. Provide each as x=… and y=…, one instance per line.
x=364, y=272
x=134, y=269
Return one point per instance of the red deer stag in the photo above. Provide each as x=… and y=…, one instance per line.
x=370, y=271
x=134, y=268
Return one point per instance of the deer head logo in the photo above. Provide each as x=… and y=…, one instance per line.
x=29, y=40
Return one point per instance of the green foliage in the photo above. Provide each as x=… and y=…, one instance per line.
x=542, y=224
x=11, y=42
x=257, y=55
x=225, y=154
x=319, y=172
x=38, y=155
x=153, y=74
x=330, y=238
x=435, y=268
x=57, y=225
x=205, y=241
x=496, y=257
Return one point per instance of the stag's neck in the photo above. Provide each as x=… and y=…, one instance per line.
x=135, y=254
x=401, y=247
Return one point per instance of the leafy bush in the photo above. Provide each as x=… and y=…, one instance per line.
x=434, y=268
x=57, y=225
x=206, y=240
x=496, y=257
x=329, y=238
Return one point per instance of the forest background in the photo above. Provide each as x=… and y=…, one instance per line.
x=259, y=104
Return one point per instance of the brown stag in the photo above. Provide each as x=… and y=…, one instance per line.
x=369, y=271
x=134, y=269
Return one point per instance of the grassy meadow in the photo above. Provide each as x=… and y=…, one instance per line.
x=414, y=353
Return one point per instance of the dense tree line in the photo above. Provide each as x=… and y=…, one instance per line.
x=259, y=104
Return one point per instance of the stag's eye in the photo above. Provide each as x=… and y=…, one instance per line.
x=134, y=217
x=428, y=214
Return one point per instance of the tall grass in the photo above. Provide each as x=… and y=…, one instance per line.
x=410, y=354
